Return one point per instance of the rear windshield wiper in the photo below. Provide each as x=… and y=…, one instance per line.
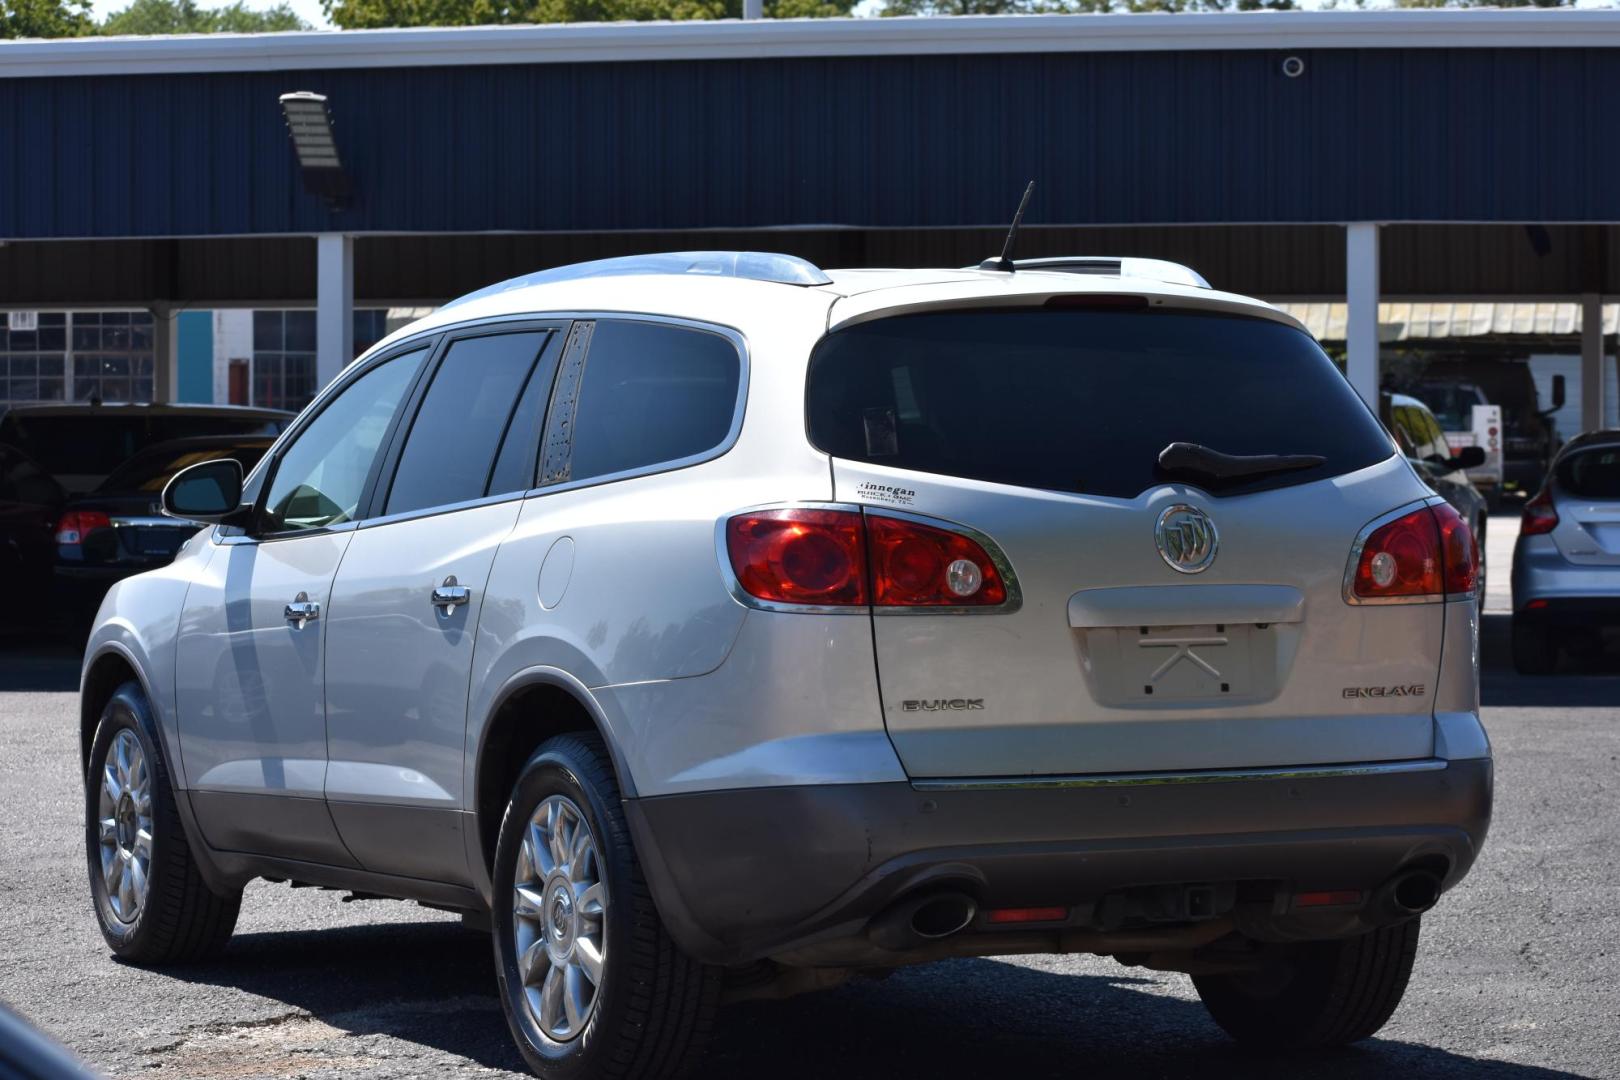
x=1185, y=457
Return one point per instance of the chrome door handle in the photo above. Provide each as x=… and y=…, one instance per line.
x=449, y=596
x=302, y=610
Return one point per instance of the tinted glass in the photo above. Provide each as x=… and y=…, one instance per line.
x=650, y=394
x=21, y=481
x=1591, y=474
x=451, y=448
x=322, y=474
x=1083, y=401
x=515, y=465
x=87, y=445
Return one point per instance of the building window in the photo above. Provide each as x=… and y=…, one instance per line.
x=284, y=354
x=78, y=356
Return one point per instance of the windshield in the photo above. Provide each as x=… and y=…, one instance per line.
x=151, y=470
x=1452, y=405
x=1084, y=400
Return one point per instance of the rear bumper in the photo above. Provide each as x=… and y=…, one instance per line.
x=1565, y=593
x=744, y=874
x=1573, y=612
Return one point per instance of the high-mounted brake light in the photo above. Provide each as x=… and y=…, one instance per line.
x=75, y=525
x=1540, y=516
x=843, y=558
x=1426, y=554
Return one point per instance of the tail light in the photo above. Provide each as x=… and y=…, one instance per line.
x=1428, y=553
x=843, y=558
x=917, y=565
x=800, y=555
x=75, y=525
x=1539, y=515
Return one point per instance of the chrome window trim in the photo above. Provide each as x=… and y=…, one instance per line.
x=1208, y=776
x=1348, y=589
x=435, y=511
x=1015, y=596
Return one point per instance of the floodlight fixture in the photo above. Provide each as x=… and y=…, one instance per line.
x=309, y=123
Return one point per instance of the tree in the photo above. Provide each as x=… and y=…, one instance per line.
x=44, y=18
x=358, y=14
x=185, y=17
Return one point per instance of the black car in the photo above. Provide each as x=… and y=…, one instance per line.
x=119, y=529
x=81, y=444
x=30, y=503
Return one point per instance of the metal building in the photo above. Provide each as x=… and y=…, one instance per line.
x=1297, y=156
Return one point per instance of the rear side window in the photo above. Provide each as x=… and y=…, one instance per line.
x=652, y=394
x=450, y=452
x=1591, y=474
x=1083, y=401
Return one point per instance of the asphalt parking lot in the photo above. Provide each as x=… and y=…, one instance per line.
x=1518, y=974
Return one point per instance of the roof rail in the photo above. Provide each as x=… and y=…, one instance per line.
x=751, y=265
x=1119, y=266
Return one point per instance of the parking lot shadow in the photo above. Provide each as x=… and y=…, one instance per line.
x=1587, y=681
x=47, y=665
x=433, y=985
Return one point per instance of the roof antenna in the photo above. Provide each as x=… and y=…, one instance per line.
x=1003, y=263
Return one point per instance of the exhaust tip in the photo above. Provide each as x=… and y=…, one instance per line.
x=1417, y=891
x=943, y=915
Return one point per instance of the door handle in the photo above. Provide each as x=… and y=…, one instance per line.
x=302, y=610
x=449, y=596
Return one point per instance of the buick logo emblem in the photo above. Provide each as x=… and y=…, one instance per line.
x=1186, y=539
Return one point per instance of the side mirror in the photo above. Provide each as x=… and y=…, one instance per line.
x=209, y=491
x=1468, y=457
x=1558, y=393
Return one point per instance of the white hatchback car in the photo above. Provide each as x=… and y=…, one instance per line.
x=712, y=626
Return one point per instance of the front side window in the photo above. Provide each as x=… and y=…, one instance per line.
x=321, y=477
x=450, y=452
x=650, y=394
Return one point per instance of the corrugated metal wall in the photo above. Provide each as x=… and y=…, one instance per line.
x=890, y=142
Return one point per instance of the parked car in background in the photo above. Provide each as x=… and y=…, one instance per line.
x=1566, y=563
x=1422, y=440
x=81, y=444
x=1529, y=438
x=119, y=528
x=825, y=623
x=30, y=503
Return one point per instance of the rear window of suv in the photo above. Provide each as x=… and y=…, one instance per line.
x=1083, y=401
x=1591, y=474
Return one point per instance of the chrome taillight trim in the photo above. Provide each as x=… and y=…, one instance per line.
x=1349, y=587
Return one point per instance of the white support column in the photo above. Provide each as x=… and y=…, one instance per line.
x=753, y=9
x=1361, y=303
x=1592, y=404
x=334, y=305
x=165, y=353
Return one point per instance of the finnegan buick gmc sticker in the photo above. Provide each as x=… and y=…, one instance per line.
x=885, y=493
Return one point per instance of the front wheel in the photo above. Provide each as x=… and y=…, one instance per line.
x=1316, y=993
x=151, y=902
x=591, y=984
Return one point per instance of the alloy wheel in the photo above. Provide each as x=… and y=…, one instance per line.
x=559, y=912
x=124, y=825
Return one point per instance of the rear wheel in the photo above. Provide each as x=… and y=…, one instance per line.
x=1316, y=993
x=1535, y=649
x=591, y=984
x=152, y=904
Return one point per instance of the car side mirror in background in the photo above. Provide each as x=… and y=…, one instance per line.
x=209, y=491
x=1558, y=393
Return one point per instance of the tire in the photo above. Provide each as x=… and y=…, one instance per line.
x=651, y=1011
x=1317, y=993
x=176, y=918
x=1535, y=649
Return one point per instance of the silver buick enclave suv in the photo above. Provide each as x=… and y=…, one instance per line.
x=710, y=626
